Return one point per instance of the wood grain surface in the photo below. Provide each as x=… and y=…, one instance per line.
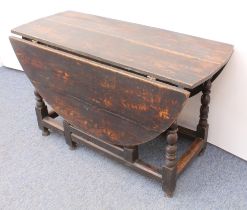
x=180, y=59
x=116, y=106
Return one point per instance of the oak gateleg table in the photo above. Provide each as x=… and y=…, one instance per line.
x=118, y=85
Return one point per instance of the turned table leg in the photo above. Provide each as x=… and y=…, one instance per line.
x=202, y=127
x=170, y=168
x=41, y=112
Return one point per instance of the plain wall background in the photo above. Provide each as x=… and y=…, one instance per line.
x=218, y=20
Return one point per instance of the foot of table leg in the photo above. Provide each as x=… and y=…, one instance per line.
x=202, y=127
x=169, y=170
x=67, y=135
x=41, y=112
x=45, y=131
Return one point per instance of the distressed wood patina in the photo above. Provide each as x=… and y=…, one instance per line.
x=118, y=85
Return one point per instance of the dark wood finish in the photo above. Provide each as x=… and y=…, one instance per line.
x=187, y=132
x=67, y=135
x=116, y=152
x=199, y=88
x=119, y=153
x=41, y=113
x=170, y=167
x=129, y=156
x=114, y=149
x=139, y=165
x=53, y=125
x=177, y=58
x=131, y=153
x=116, y=106
x=191, y=153
x=118, y=85
x=202, y=128
x=52, y=114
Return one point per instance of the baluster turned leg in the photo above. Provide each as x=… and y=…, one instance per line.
x=202, y=127
x=41, y=112
x=170, y=167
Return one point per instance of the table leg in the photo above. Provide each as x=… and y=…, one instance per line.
x=202, y=127
x=131, y=153
x=67, y=135
x=169, y=170
x=41, y=112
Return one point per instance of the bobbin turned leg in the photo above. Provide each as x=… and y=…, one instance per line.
x=169, y=170
x=67, y=135
x=41, y=112
x=202, y=127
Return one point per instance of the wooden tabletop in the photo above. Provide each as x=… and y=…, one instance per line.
x=180, y=59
